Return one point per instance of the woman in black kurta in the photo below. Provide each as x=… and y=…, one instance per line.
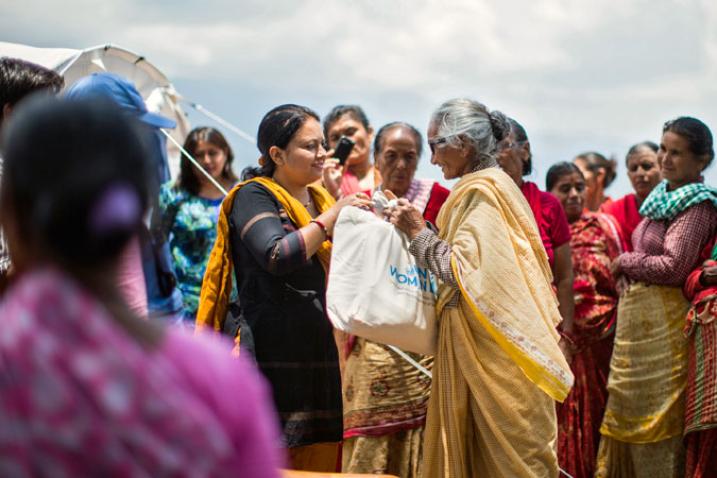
x=278, y=227
x=282, y=293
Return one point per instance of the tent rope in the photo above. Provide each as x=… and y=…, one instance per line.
x=221, y=121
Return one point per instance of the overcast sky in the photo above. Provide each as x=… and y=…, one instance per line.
x=578, y=74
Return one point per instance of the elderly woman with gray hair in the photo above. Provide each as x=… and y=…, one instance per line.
x=498, y=366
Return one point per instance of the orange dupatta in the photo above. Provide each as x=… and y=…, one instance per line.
x=217, y=284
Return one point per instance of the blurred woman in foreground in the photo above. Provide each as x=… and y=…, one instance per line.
x=87, y=387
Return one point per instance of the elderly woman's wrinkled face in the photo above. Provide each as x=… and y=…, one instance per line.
x=680, y=166
x=570, y=190
x=353, y=129
x=453, y=161
x=398, y=159
x=643, y=171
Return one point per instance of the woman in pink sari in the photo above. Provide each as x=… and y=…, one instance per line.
x=89, y=388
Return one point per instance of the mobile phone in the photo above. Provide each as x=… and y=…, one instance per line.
x=343, y=149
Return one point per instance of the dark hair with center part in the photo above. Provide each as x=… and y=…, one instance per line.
x=557, y=171
x=277, y=128
x=697, y=134
x=378, y=141
x=189, y=177
x=596, y=161
x=521, y=137
x=354, y=111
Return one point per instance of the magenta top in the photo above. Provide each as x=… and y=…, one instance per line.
x=130, y=278
x=79, y=396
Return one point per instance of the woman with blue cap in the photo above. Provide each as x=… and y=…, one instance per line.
x=145, y=275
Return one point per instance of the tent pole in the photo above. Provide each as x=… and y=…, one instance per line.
x=194, y=162
x=220, y=120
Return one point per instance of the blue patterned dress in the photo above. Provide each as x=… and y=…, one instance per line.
x=190, y=223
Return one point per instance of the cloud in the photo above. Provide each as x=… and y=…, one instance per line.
x=580, y=74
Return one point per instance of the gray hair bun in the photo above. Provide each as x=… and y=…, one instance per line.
x=499, y=124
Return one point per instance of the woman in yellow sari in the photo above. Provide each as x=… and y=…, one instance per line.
x=498, y=367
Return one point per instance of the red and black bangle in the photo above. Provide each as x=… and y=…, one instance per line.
x=323, y=228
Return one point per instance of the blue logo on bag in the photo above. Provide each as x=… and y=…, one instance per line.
x=414, y=277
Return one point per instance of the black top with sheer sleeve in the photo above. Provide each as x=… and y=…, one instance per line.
x=283, y=298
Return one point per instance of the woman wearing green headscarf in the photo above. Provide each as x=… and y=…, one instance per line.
x=644, y=420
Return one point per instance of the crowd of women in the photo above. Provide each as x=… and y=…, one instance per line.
x=577, y=333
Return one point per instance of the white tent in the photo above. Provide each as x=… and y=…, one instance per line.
x=158, y=93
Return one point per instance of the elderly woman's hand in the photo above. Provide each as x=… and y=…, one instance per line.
x=406, y=218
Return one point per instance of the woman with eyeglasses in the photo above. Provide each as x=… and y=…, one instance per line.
x=516, y=159
x=643, y=425
x=594, y=244
x=274, y=235
x=385, y=397
x=644, y=173
x=498, y=368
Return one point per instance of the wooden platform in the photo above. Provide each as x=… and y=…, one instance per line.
x=311, y=474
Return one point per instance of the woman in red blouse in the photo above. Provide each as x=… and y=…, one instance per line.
x=644, y=174
x=515, y=158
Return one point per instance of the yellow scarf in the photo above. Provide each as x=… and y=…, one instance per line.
x=504, y=276
x=217, y=284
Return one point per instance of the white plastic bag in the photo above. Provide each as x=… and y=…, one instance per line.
x=376, y=290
